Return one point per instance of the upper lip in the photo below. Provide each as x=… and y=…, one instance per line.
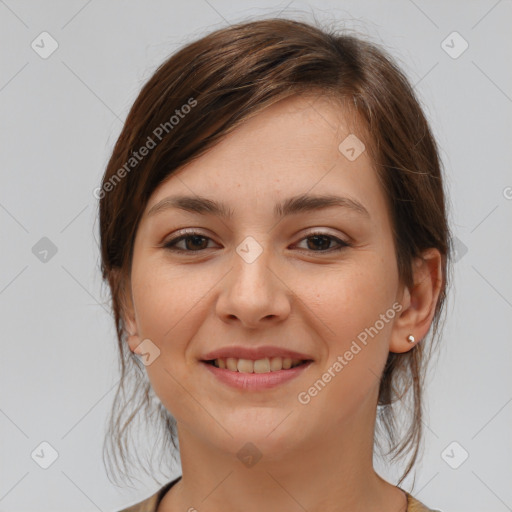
x=254, y=353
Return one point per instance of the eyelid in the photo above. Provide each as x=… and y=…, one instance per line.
x=322, y=232
x=184, y=233
x=319, y=232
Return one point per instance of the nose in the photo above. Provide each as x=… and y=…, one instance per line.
x=254, y=294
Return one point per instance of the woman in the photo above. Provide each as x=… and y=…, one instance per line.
x=274, y=234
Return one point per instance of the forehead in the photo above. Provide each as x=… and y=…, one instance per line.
x=294, y=146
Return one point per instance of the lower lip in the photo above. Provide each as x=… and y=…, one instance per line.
x=256, y=381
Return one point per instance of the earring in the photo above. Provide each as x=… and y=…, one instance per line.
x=411, y=338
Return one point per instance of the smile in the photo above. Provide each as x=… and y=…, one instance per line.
x=256, y=375
x=265, y=365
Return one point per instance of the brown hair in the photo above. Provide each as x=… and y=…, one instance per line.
x=202, y=93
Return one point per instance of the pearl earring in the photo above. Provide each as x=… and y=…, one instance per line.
x=411, y=338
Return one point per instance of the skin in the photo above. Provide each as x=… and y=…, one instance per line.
x=297, y=294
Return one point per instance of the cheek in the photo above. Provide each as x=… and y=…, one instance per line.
x=356, y=313
x=169, y=310
x=352, y=298
x=165, y=301
x=357, y=350
x=171, y=305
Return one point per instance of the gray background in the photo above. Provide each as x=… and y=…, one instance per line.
x=60, y=118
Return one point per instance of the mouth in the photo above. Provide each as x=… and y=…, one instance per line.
x=263, y=365
x=255, y=375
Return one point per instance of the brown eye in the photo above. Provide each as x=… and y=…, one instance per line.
x=321, y=242
x=194, y=242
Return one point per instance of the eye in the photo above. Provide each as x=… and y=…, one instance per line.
x=322, y=241
x=194, y=241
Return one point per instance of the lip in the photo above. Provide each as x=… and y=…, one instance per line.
x=256, y=381
x=254, y=353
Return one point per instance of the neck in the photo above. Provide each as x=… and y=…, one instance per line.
x=331, y=472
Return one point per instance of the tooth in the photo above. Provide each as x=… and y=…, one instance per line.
x=276, y=364
x=245, y=366
x=262, y=365
x=231, y=364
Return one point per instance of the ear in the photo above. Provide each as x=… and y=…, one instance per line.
x=418, y=303
x=127, y=310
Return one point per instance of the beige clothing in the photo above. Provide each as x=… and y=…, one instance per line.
x=150, y=504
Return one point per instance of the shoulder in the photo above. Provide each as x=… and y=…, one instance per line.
x=413, y=505
x=150, y=504
x=147, y=505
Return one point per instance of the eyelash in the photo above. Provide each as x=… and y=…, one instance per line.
x=170, y=245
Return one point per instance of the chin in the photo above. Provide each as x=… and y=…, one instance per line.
x=271, y=435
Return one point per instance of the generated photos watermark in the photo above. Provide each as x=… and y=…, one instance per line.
x=305, y=397
x=137, y=156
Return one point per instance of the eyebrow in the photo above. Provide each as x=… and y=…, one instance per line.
x=293, y=205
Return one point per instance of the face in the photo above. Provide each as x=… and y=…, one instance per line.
x=319, y=280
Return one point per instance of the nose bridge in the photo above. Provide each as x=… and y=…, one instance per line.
x=252, y=275
x=253, y=292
